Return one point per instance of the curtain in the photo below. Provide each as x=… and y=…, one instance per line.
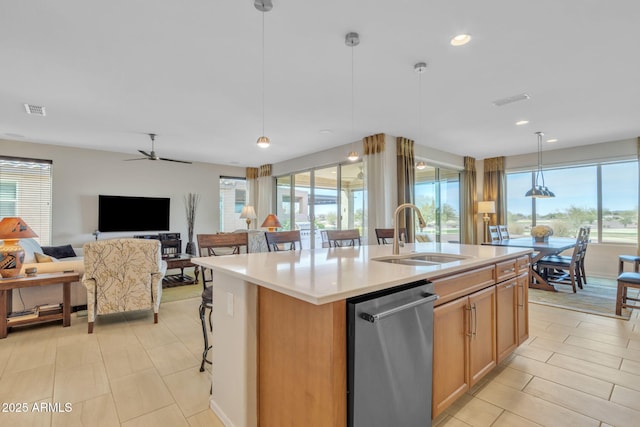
x=494, y=189
x=469, y=233
x=265, y=193
x=406, y=181
x=252, y=190
x=378, y=203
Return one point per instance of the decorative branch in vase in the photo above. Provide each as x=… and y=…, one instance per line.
x=191, y=205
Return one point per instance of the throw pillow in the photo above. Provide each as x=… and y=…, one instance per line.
x=65, y=251
x=42, y=257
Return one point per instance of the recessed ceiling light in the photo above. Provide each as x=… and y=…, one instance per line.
x=552, y=140
x=522, y=122
x=326, y=131
x=460, y=40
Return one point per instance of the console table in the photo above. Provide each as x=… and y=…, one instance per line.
x=6, y=297
x=180, y=261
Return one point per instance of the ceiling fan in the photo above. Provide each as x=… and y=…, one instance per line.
x=153, y=156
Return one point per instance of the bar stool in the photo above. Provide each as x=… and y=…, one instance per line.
x=625, y=281
x=207, y=303
x=628, y=258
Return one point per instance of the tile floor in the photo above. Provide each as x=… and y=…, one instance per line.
x=576, y=369
x=129, y=372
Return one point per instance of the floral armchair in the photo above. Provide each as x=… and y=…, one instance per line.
x=122, y=275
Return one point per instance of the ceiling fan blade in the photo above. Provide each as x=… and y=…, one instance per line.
x=173, y=160
x=145, y=153
x=139, y=158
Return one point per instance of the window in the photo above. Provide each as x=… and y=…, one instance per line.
x=25, y=191
x=323, y=198
x=233, y=194
x=437, y=195
x=603, y=197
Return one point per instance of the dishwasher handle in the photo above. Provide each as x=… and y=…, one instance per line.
x=425, y=298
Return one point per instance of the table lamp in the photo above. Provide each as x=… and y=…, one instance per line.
x=271, y=222
x=248, y=213
x=11, y=253
x=486, y=207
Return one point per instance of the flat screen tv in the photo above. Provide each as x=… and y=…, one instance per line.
x=124, y=213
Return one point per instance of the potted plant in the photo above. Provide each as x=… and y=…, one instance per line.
x=191, y=205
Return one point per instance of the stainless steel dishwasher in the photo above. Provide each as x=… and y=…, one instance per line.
x=390, y=353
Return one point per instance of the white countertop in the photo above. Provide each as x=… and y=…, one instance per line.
x=320, y=276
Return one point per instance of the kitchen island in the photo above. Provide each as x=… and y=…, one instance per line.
x=279, y=324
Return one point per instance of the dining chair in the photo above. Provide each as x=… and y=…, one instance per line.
x=504, y=232
x=220, y=244
x=583, y=254
x=278, y=240
x=383, y=234
x=494, y=234
x=626, y=280
x=338, y=238
x=215, y=245
x=564, y=270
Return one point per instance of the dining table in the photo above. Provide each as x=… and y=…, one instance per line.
x=551, y=246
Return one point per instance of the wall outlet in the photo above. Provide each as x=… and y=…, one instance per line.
x=230, y=304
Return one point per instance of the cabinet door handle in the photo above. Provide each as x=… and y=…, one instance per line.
x=475, y=320
x=469, y=332
x=510, y=286
x=521, y=297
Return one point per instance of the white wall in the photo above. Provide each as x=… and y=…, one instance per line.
x=80, y=175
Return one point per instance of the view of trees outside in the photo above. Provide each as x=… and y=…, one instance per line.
x=437, y=195
x=576, y=202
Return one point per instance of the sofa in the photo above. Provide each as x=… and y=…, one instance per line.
x=27, y=298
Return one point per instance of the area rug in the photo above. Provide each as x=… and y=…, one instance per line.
x=597, y=297
x=177, y=293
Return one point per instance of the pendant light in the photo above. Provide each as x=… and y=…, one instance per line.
x=420, y=68
x=539, y=191
x=263, y=6
x=352, y=40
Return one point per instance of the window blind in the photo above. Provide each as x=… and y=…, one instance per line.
x=25, y=191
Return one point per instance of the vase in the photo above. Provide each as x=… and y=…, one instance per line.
x=191, y=248
x=541, y=239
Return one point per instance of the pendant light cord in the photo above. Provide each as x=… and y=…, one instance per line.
x=262, y=73
x=353, y=97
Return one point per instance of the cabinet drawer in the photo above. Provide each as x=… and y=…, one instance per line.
x=522, y=264
x=505, y=270
x=461, y=284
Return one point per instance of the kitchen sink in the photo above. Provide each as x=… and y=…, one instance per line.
x=421, y=258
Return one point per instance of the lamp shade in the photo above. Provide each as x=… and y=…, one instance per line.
x=11, y=253
x=248, y=212
x=271, y=222
x=487, y=206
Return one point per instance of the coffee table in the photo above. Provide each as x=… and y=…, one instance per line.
x=180, y=261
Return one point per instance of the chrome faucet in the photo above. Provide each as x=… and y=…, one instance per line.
x=396, y=237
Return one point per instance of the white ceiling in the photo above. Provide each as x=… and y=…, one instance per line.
x=110, y=72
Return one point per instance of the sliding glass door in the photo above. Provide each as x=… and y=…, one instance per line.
x=437, y=195
x=321, y=199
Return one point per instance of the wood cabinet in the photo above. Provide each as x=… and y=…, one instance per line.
x=522, y=303
x=464, y=345
x=474, y=331
x=512, y=314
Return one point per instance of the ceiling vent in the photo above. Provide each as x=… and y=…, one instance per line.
x=35, y=110
x=511, y=99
